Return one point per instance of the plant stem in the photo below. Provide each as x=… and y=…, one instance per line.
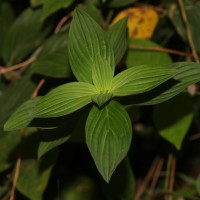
x=167, y=178
x=188, y=31
x=159, y=49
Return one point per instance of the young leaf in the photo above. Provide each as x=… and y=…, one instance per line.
x=140, y=79
x=65, y=99
x=85, y=44
x=173, y=118
x=102, y=75
x=51, y=6
x=108, y=137
x=117, y=35
x=22, y=116
x=187, y=73
x=22, y=37
x=101, y=99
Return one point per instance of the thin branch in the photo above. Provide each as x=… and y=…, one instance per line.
x=148, y=177
x=62, y=22
x=195, y=136
x=160, y=49
x=172, y=176
x=17, y=168
x=156, y=177
x=167, y=178
x=4, y=70
x=188, y=31
x=40, y=84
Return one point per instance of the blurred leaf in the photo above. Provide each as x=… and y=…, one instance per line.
x=138, y=56
x=15, y=96
x=141, y=21
x=6, y=19
x=53, y=58
x=120, y=3
x=108, y=137
x=22, y=37
x=122, y=183
x=173, y=118
x=117, y=35
x=7, y=143
x=34, y=176
x=35, y=3
x=193, y=15
x=51, y=6
x=140, y=79
x=187, y=74
x=198, y=184
x=85, y=43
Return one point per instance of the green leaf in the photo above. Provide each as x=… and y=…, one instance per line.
x=53, y=58
x=198, y=184
x=34, y=174
x=122, y=183
x=35, y=3
x=137, y=57
x=86, y=44
x=13, y=97
x=65, y=99
x=51, y=6
x=108, y=137
x=140, y=79
x=6, y=19
x=22, y=117
x=7, y=144
x=187, y=74
x=101, y=99
x=22, y=37
x=102, y=75
x=193, y=15
x=117, y=35
x=173, y=118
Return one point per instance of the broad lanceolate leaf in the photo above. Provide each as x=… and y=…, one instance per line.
x=23, y=115
x=53, y=58
x=117, y=35
x=108, y=137
x=137, y=56
x=187, y=73
x=173, y=118
x=51, y=6
x=140, y=79
x=22, y=37
x=87, y=41
x=102, y=75
x=65, y=99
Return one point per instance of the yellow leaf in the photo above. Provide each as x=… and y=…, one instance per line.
x=142, y=21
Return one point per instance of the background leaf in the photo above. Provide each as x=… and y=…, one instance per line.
x=51, y=6
x=53, y=58
x=140, y=79
x=6, y=19
x=119, y=3
x=22, y=38
x=108, y=137
x=137, y=57
x=15, y=96
x=173, y=118
x=117, y=35
x=85, y=44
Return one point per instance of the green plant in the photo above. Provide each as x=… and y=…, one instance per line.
x=100, y=101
